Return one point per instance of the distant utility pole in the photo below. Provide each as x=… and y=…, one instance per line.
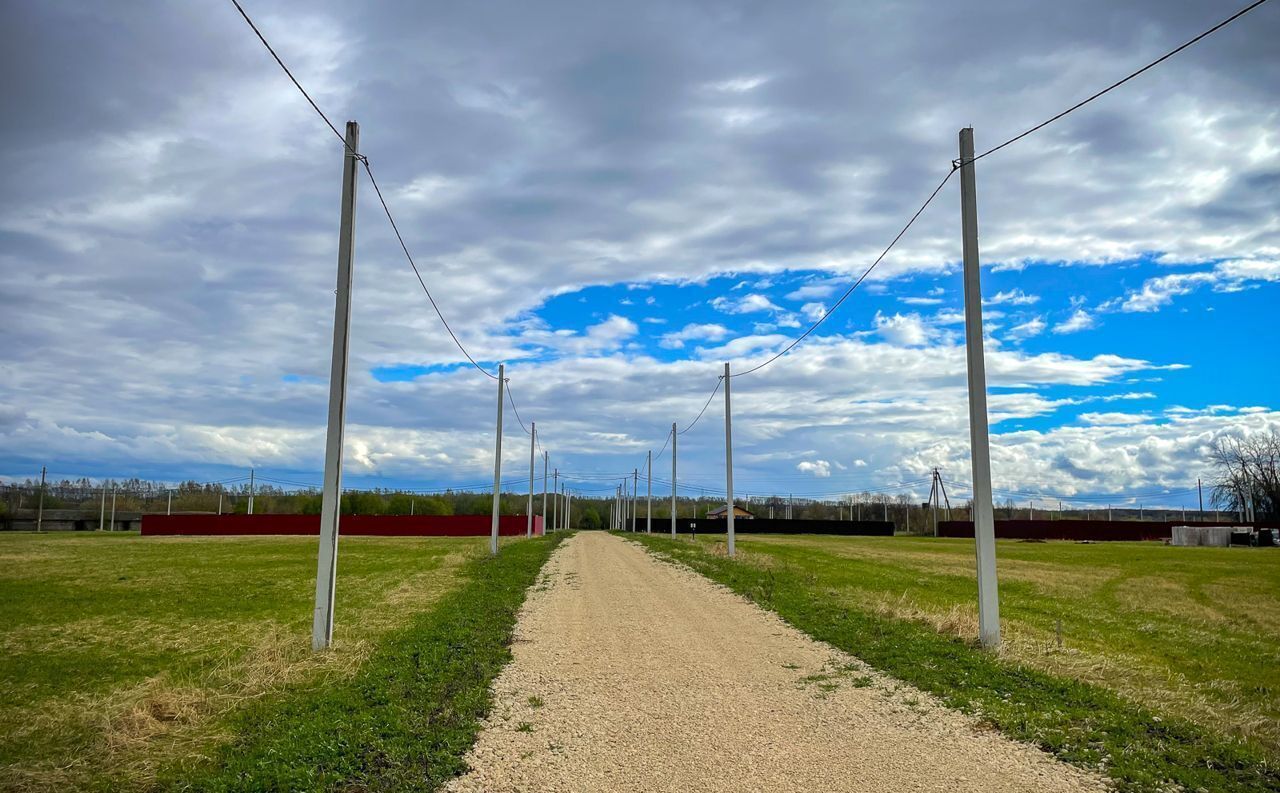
x=555, y=503
x=497, y=464
x=546, y=461
x=113, y=508
x=168, y=510
x=635, y=496
x=648, y=518
x=674, y=434
x=326, y=450
x=1200, y=491
x=533, y=441
x=331, y=497
x=980, y=449
x=40, y=507
x=102, y=513
x=728, y=457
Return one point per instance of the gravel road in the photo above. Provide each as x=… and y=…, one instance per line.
x=633, y=674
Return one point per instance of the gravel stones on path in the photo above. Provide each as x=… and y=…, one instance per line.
x=634, y=674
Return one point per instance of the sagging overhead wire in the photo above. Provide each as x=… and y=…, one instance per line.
x=365, y=162
x=1121, y=82
x=511, y=401
x=692, y=424
x=856, y=283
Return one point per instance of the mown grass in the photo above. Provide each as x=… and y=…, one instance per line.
x=904, y=606
x=408, y=716
x=122, y=656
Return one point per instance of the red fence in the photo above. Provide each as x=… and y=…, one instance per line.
x=1100, y=530
x=350, y=525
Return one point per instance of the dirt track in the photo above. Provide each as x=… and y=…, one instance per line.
x=631, y=674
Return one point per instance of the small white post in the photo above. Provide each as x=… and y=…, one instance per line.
x=728, y=456
x=533, y=440
x=102, y=513
x=980, y=449
x=331, y=497
x=497, y=465
x=250, y=511
x=674, y=435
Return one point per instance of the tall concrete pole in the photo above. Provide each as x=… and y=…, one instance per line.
x=331, y=497
x=533, y=441
x=250, y=509
x=102, y=513
x=497, y=464
x=983, y=510
x=113, y=508
x=555, y=502
x=568, y=509
x=40, y=507
x=546, y=461
x=168, y=509
x=635, y=496
x=728, y=456
x=648, y=518
x=674, y=435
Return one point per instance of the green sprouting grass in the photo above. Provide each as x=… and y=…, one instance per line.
x=904, y=605
x=121, y=655
x=404, y=721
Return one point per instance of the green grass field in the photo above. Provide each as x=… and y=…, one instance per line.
x=128, y=659
x=1169, y=657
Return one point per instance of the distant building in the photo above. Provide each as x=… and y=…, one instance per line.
x=738, y=513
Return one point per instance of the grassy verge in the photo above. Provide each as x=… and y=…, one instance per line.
x=1081, y=722
x=405, y=719
x=121, y=655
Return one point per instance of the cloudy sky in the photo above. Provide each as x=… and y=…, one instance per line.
x=614, y=199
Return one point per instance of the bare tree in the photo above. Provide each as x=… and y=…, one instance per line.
x=1247, y=474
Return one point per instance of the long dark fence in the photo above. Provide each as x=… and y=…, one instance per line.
x=844, y=528
x=1096, y=530
x=348, y=526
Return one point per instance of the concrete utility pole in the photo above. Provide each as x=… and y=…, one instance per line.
x=113, y=508
x=168, y=510
x=102, y=513
x=635, y=496
x=568, y=509
x=983, y=510
x=250, y=511
x=546, y=461
x=555, y=503
x=40, y=507
x=674, y=435
x=497, y=465
x=1200, y=491
x=219, y=503
x=533, y=441
x=648, y=518
x=728, y=457
x=331, y=497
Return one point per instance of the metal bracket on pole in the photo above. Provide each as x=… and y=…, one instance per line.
x=980, y=449
x=497, y=465
x=331, y=499
x=728, y=457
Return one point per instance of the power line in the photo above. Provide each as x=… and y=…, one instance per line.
x=511, y=401
x=704, y=407
x=416, y=272
x=1119, y=83
x=364, y=161
x=857, y=283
